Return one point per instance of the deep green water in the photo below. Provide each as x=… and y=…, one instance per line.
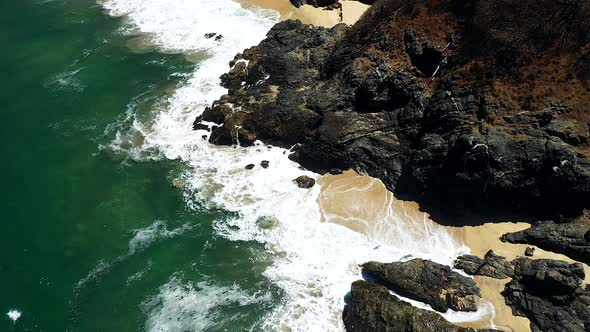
x=67, y=205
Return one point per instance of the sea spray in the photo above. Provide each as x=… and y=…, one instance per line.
x=13, y=315
x=314, y=263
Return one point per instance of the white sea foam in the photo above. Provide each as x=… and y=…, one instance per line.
x=144, y=237
x=14, y=315
x=314, y=263
x=183, y=307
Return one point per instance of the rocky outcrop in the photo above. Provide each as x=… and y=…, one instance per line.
x=304, y=182
x=427, y=282
x=372, y=308
x=492, y=265
x=571, y=238
x=473, y=106
x=550, y=294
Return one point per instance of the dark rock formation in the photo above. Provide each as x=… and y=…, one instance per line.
x=550, y=295
x=571, y=238
x=265, y=164
x=491, y=265
x=427, y=282
x=372, y=308
x=249, y=166
x=501, y=128
x=217, y=36
x=529, y=252
x=304, y=182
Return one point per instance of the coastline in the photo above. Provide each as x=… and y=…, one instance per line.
x=363, y=204
x=372, y=210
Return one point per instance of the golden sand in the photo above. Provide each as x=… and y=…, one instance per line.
x=363, y=204
x=350, y=13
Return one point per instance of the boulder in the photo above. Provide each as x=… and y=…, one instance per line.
x=304, y=182
x=492, y=265
x=428, y=282
x=371, y=307
x=569, y=238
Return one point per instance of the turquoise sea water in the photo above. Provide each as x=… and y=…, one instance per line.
x=71, y=255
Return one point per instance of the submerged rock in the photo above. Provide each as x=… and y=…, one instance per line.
x=371, y=307
x=550, y=294
x=304, y=182
x=491, y=265
x=427, y=282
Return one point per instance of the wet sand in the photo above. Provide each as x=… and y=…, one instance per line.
x=363, y=204
x=351, y=11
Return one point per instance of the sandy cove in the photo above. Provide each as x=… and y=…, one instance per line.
x=350, y=12
x=363, y=204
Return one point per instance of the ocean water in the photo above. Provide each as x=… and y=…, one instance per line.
x=117, y=216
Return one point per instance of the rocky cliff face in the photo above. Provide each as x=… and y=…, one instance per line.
x=466, y=106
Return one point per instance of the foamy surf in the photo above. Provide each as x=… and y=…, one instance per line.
x=314, y=263
x=13, y=315
x=183, y=307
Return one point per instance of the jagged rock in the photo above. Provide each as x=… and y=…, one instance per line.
x=549, y=294
x=265, y=164
x=304, y=182
x=249, y=166
x=217, y=36
x=427, y=282
x=569, y=238
x=372, y=308
x=335, y=171
x=491, y=265
x=502, y=129
x=529, y=252
x=200, y=126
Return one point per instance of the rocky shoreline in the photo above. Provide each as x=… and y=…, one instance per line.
x=475, y=109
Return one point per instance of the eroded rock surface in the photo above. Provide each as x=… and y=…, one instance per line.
x=372, y=308
x=472, y=106
x=428, y=282
x=550, y=294
x=492, y=265
x=571, y=238
x=304, y=182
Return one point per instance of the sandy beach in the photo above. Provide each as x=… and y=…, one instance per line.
x=350, y=13
x=363, y=204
